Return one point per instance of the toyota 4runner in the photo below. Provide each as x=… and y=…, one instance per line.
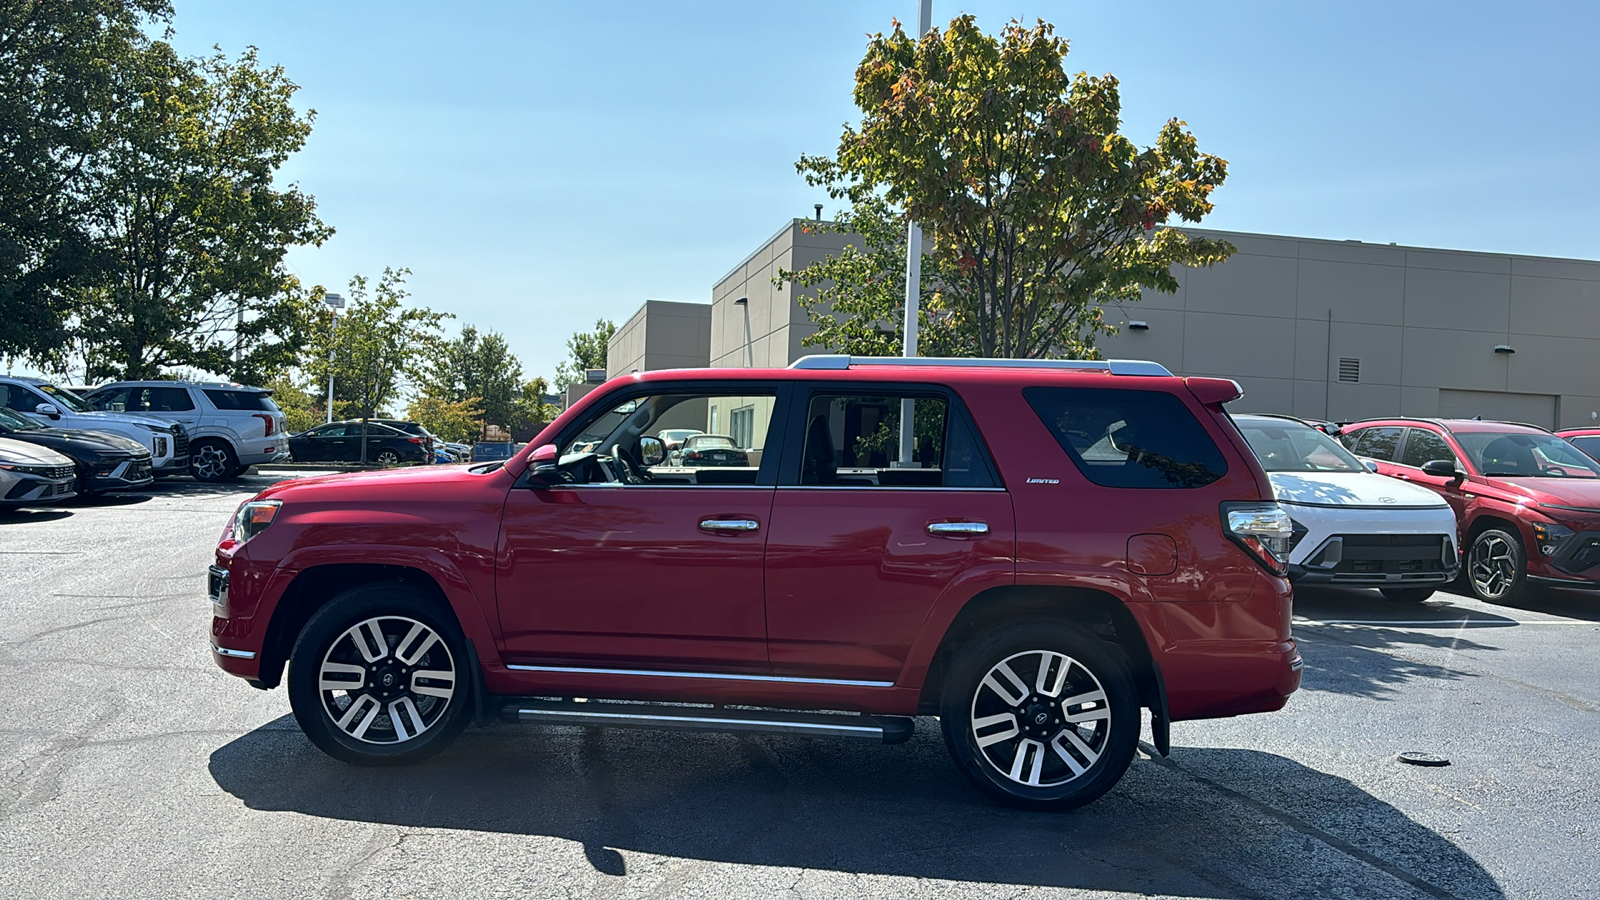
x=1031, y=551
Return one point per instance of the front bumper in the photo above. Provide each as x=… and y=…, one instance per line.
x=28, y=490
x=1576, y=559
x=122, y=475
x=1380, y=560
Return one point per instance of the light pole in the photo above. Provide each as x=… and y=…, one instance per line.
x=908, y=408
x=335, y=303
x=749, y=351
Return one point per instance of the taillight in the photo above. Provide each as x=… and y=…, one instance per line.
x=415, y=440
x=267, y=421
x=1264, y=530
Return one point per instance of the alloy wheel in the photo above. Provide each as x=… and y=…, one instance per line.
x=387, y=458
x=209, y=462
x=1492, y=565
x=387, y=680
x=1041, y=718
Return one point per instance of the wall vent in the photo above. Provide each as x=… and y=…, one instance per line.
x=1349, y=370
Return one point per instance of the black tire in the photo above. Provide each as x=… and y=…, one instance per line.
x=1496, y=567
x=371, y=724
x=1101, y=745
x=212, y=461
x=386, y=457
x=1406, y=595
x=241, y=471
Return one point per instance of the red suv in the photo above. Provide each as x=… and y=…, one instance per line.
x=1031, y=551
x=1527, y=502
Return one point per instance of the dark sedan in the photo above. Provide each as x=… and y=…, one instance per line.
x=341, y=442
x=104, y=461
x=702, y=450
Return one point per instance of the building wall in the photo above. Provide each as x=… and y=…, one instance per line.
x=1421, y=325
x=663, y=334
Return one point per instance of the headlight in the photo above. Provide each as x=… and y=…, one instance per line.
x=253, y=518
x=1550, y=536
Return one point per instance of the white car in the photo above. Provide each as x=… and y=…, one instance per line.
x=1352, y=526
x=55, y=407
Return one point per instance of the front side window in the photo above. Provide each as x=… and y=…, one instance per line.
x=859, y=441
x=110, y=400
x=1284, y=446
x=1423, y=446
x=1129, y=438
x=670, y=440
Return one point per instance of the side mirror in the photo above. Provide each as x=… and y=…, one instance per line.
x=544, y=464
x=47, y=409
x=652, y=451
x=1442, y=468
x=1371, y=464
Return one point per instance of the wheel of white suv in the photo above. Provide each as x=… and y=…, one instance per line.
x=378, y=677
x=387, y=457
x=1406, y=595
x=212, y=461
x=1496, y=566
x=1040, y=714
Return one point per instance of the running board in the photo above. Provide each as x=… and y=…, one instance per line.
x=886, y=729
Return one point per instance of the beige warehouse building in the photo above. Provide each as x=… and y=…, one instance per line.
x=1314, y=328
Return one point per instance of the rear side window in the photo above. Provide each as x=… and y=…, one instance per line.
x=250, y=401
x=1589, y=445
x=856, y=441
x=144, y=399
x=1129, y=439
x=1377, y=443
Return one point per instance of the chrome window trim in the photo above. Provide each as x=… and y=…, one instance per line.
x=891, y=487
x=714, y=676
x=235, y=654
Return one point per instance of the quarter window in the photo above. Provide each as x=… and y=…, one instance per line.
x=1129, y=439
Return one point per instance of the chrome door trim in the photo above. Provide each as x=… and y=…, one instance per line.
x=715, y=676
x=741, y=525
x=958, y=529
x=883, y=487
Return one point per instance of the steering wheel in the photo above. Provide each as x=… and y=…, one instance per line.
x=627, y=472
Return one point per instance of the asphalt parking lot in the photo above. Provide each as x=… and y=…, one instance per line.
x=131, y=767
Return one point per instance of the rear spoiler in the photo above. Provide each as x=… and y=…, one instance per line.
x=1214, y=391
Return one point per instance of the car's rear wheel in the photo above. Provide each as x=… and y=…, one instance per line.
x=378, y=677
x=1040, y=715
x=1406, y=595
x=212, y=461
x=386, y=457
x=1496, y=567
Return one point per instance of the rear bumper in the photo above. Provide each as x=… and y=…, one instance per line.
x=263, y=450
x=1234, y=679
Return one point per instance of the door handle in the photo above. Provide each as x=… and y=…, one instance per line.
x=958, y=529
x=743, y=525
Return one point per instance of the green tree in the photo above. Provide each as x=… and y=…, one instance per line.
x=530, y=413
x=301, y=403
x=1038, y=210
x=477, y=366
x=379, y=345
x=59, y=67
x=191, y=225
x=587, y=350
x=458, y=421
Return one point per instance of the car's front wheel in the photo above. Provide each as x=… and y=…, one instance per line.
x=1040, y=715
x=1496, y=566
x=378, y=677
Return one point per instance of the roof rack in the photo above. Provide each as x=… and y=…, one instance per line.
x=1445, y=423
x=838, y=361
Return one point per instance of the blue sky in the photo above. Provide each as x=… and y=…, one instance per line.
x=539, y=165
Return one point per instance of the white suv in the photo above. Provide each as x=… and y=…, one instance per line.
x=43, y=402
x=231, y=426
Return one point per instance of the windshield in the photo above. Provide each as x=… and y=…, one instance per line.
x=1284, y=446
x=17, y=423
x=65, y=398
x=1498, y=454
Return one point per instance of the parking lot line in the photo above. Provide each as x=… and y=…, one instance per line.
x=1482, y=623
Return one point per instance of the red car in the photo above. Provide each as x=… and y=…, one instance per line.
x=1043, y=550
x=1527, y=501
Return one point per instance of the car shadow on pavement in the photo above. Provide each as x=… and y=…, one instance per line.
x=1348, y=650
x=29, y=515
x=1217, y=823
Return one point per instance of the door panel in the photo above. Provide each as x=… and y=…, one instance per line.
x=627, y=577
x=853, y=573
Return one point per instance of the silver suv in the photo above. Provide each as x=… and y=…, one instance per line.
x=55, y=407
x=231, y=426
